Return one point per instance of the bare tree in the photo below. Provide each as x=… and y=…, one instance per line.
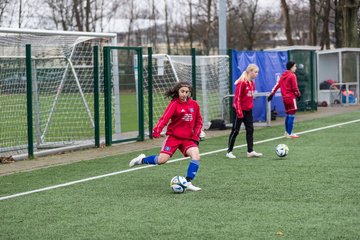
x=77, y=11
x=82, y=12
x=61, y=14
x=246, y=22
x=99, y=14
x=350, y=9
x=205, y=19
x=20, y=13
x=3, y=5
x=154, y=13
x=285, y=11
x=358, y=30
x=312, y=28
x=325, y=36
x=249, y=27
x=344, y=22
x=235, y=38
x=167, y=26
x=129, y=11
x=131, y=17
x=188, y=20
x=191, y=24
x=206, y=39
x=80, y=15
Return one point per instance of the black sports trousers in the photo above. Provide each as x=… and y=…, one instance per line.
x=249, y=127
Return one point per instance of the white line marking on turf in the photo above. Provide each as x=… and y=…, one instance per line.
x=171, y=161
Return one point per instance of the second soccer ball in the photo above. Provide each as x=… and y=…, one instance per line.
x=282, y=150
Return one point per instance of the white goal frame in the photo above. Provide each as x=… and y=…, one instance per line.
x=212, y=81
x=81, y=37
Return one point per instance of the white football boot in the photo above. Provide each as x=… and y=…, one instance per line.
x=230, y=155
x=191, y=187
x=254, y=154
x=137, y=160
x=293, y=135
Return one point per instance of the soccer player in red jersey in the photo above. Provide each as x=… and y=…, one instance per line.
x=290, y=93
x=243, y=104
x=182, y=133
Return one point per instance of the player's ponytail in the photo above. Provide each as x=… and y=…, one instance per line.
x=245, y=74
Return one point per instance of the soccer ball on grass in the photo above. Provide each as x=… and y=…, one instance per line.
x=282, y=150
x=178, y=184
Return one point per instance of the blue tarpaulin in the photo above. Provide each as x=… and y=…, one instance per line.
x=271, y=65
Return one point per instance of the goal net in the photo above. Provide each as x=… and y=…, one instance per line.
x=212, y=82
x=62, y=84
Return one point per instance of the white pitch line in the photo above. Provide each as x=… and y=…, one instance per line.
x=171, y=161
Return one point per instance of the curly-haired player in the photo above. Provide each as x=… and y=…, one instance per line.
x=182, y=133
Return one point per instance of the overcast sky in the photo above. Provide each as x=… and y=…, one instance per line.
x=12, y=20
x=270, y=3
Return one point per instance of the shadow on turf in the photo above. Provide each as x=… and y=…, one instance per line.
x=279, y=158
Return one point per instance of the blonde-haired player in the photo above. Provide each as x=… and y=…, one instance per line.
x=243, y=105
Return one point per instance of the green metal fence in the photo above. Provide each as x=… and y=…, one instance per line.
x=123, y=92
x=66, y=102
x=306, y=78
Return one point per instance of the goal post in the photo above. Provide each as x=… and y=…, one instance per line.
x=212, y=82
x=62, y=88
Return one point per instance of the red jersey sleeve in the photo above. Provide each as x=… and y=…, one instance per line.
x=275, y=88
x=198, y=123
x=164, y=119
x=237, y=99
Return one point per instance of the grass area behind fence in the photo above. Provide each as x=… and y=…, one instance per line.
x=313, y=193
x=68, y=121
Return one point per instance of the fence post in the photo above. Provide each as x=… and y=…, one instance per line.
x=230, y=85
x=107, y=96
x=150, y=88
x=193, y=72
x=141, y=95
x=312, y=79
x=96, y=96
x=29, y=102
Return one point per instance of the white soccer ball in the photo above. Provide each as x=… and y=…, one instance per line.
x=282, y=150
x=178, y=184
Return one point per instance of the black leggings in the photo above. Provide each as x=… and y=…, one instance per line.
x=249, y=127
